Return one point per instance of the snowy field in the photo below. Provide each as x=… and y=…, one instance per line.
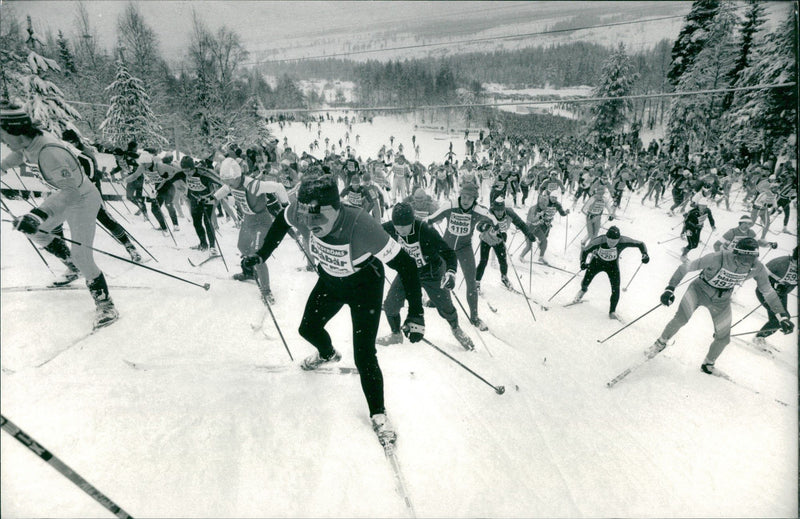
x=200, y=427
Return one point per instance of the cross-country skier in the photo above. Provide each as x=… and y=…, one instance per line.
x=463, y=216
x=540, y=221
x=251, y=197
x=593, y=209
x=605, y=252
x=350, y=247
x=200, y=182
x=436, y=265
x=720, y=273
x=783, y=279
x=693, y=225
x=495, y=236
x=75, y=200
x=743, y=230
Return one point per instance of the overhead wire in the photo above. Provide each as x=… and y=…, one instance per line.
x=481, y=40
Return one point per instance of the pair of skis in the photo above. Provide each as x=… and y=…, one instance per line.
x=201, y=263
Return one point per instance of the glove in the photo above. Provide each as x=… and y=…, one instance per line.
x=668, y=297
x=207, y=199
x=584, y=266
x=787, y=326
x=414, y=328
x=610, y=217
x=29, y=224
x=251, y=261
x=449, y=280
x=774, y=245
x=645, y=258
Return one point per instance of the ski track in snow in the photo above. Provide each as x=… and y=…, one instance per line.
x=198, y=430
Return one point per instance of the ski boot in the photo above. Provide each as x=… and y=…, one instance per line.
x=213, y=252
x=578, y=296
x=543, y=261
x=314, y=361
x=462, y=338
x=201, y=246
x=477, y=323
x=506, y=283
x=105, y=313
x=267, y=298
x=133, y=253
x=388, y=340
x=707, y=368
x=67, y=277
x=384, y=430
x=655, y=349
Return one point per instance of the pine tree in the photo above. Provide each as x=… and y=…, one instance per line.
x=692, y=38
x=65, y=55
x=752, y=23
x=695, y=118
x=25, y=75
x=129, y=116
x=618, y=77
x=762, y=120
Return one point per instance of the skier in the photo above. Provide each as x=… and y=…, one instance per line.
x=356, y=195
x=423, y=204
x=436, y=265
x=463, y=216
x=720, y=273
x=540, y=220
x=693, y=226
x=783, y=279
x=495, y=236
x=75, y=200
x=200, y=181
x=252, y=201
x=350, y=248
x=593, y=209
x=743, y=230
x=605, y=252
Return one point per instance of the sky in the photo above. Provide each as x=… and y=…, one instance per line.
x=259, y=22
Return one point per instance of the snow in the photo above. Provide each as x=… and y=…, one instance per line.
x=202, y=429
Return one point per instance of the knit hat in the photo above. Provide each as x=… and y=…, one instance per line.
x=230, y=169
x=403, y=214
x=419, y=194
x=187, y=162
x=469, y=189
x=498, y=203
x=322, y=190
x=613, y=232
x=746, y=219
x=13, y=118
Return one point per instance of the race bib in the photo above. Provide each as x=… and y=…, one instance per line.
x=194, y=184
x=241, y=201
x=504, y=224
x=355, y=198
x=334, y=259
x=726, y=279
x=415, y=251
x=790, y=278
x=459, y=224
x=607, y=254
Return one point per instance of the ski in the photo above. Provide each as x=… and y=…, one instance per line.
x=202, y=262
x=573, y=303
x=490, y=305
x=618, y=318
x=721, y=374
x=647, y=358
x=333, y=370
x=75, y=342
x=529, y=298
x=32, y=288
x=399, y=480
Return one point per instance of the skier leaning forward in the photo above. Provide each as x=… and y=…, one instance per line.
x=436, y=265
x=350, y=248
x=462, y=218
x=252, y=199
x=720, y=273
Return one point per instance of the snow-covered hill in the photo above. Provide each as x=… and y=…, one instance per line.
x=201, y=427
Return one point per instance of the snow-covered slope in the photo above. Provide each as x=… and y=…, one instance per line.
x=201, y=427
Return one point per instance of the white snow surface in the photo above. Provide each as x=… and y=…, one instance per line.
x=201, y=429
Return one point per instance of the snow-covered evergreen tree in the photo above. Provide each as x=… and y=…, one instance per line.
x=753, y=20
x=129, y=115
x=692, y=38
x=695, y=118
x=65, y=55
x=763, y=120
x=618, y=77
x=25, y=73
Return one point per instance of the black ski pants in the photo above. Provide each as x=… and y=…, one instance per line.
x=201, y=220
x=164, y=196
x=431, y=280
x=363, y=293
x=611, y=268
x=500, y=252
x=772, y=325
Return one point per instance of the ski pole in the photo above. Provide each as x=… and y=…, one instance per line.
x=564, y=285
x=204, y=286
x=747, y=314
x=530, y=272
x=755, y=331
x=633, y=276
x=630, y=323
x=269, y=307
x=566, y=232
x=480, y=336
x=38, y=252
x=516, y=274
x=671, y=239
x=61, y=467
x=576, y=236
x=497, y=389
x=30, y=193
x=121, y=198
x=706, y=242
